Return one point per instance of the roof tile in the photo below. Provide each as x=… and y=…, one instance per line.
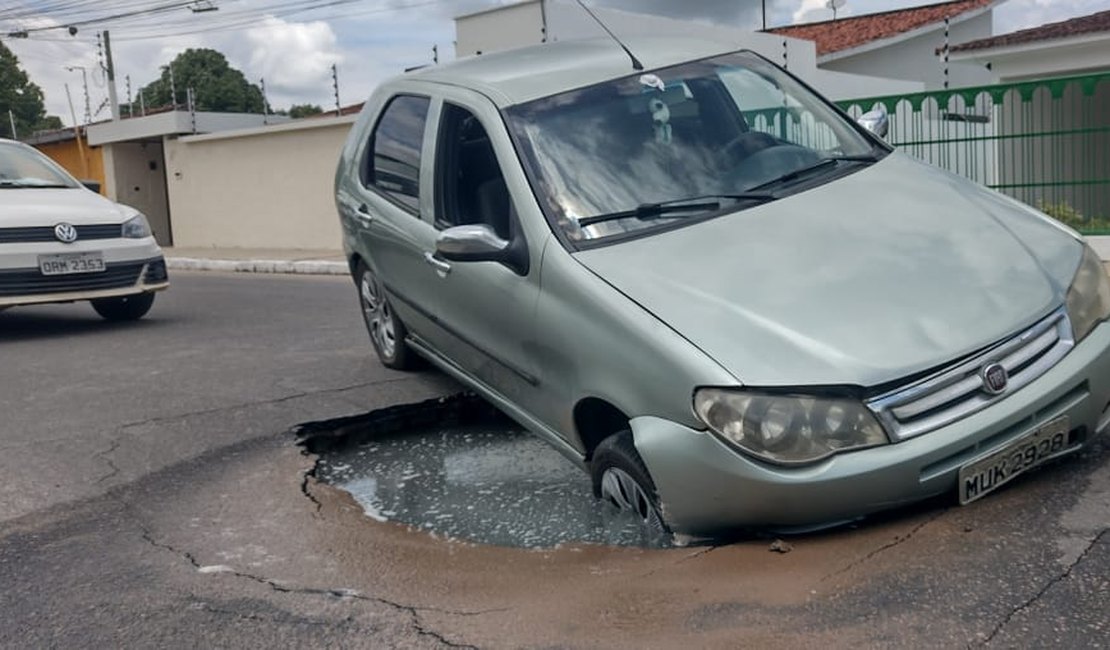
x=854, y=31
x=1093, y=23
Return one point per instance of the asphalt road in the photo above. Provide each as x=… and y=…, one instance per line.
x=153, y=497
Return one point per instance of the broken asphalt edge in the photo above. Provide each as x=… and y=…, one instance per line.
x=303, y=267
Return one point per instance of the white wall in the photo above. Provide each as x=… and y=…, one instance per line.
x=1076, y=55
x=258, y=188
x=916, y=58
x=568, y=21
x=523, y=24
x=839, y=85
x=499, y=29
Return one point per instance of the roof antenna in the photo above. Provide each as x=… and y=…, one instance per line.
x=636, y=65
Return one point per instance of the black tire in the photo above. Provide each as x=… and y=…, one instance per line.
x=387, y=332
x=124, y=308
x=615, y=463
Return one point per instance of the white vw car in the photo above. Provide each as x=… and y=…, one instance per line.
x=61, y=242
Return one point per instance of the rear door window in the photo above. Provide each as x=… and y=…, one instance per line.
x=393, y=157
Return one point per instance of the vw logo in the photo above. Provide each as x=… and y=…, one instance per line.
x=65, y=233
x=995, y=378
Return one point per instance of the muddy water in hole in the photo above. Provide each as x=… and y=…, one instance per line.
x=490, y=485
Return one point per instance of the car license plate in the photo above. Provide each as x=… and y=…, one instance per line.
x=985, y=475
x=71, y=263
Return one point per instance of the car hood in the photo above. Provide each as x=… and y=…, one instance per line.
x=49, y=206
x=890, y=271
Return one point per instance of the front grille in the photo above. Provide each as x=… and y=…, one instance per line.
x=959, y=391
x=46, y=233
x=30, y=281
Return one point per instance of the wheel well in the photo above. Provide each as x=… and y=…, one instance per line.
x=595, y=420
x=353, y=262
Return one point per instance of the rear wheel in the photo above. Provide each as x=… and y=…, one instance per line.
x=124, y=308
x=620, y=477
x=387, y=332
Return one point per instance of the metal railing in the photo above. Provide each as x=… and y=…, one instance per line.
x=1044, y=142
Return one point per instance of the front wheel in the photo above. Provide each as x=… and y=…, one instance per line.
x=620, y=477
x=387, y=332
x=124, y=308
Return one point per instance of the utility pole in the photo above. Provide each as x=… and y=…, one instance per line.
x=764, y=2
x=265, y=103
x=142, y=104
x=11, y=120
x=130, y=103
x=335, y=85
x=173, y=88
x=77, y=134
x=85, y=85
x=112, y=99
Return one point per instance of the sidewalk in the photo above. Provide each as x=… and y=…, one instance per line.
x=257, y=260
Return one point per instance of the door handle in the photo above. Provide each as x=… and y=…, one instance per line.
x=363, y=215
x=439, y=265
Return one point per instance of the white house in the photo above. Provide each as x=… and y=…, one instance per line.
x=1070, y=47
x=904, y=44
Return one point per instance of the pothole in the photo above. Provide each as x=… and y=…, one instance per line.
x=456, y=468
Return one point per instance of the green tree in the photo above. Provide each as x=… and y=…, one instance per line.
x=216, y=85
x=304, y=110
x=23, y=98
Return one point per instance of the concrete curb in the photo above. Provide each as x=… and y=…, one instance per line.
x=302, y=267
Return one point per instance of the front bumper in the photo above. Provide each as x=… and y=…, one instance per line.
x=27, y=286
x=706, y=487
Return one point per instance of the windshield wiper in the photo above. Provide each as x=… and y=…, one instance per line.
x=820, y=164
x=704, y=203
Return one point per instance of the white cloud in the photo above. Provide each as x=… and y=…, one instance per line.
x=294, y=58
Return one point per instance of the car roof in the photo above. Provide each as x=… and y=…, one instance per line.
x=520, y=75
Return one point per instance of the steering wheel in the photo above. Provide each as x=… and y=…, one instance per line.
x=747, y=144
x=770, y=163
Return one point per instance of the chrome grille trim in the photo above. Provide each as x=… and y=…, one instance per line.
x=957, y=392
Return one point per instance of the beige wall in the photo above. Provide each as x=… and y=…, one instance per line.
x=135, y=175
x=261, y=188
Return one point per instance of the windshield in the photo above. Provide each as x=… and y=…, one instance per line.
x=22, y=167
x=612, y=158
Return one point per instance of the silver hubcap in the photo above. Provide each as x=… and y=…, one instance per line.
x=625, y=493
x=378, y=316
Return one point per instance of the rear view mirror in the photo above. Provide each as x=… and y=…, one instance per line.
x=875, y=121
x=92, y=185
x=479, y=243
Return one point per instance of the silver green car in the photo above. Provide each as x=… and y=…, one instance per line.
x=725, y=300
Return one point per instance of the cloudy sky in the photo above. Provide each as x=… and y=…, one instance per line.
x=368, y=40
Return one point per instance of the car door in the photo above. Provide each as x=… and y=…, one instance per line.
x=389, y=207
x=487, y=309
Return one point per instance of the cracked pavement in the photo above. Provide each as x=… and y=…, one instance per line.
x=155, y=498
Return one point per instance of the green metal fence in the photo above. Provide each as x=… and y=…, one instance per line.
x=1044, y=142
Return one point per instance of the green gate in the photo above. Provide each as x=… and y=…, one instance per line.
x=1045, y=142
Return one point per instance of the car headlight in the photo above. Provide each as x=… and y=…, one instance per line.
x=787, y=429
x=1089, y=295
x=136, y=227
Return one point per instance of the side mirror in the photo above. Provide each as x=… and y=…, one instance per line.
x=92, y=185
x=875, y=121
x=479, y=243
